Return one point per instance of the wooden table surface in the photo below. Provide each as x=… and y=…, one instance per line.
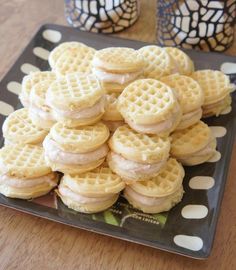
x=28, y=242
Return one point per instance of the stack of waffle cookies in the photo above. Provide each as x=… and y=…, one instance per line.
x=111, y=121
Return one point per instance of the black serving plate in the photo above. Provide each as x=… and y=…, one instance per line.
x=189, y=228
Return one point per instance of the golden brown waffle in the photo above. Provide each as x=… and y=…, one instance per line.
x=81, y=139
x=158, y=63
x=189, y=93
x=75, y=91
x=18, y=128
x=23, y=161
x=215, y=84
x=75, y=60
x=146, y=101
x=190, y=140
x=60, y=49
x=96, y=183
x=139, y=147
x=168, y=180
x=182, y=61
x=32, y=79
x=118, y=60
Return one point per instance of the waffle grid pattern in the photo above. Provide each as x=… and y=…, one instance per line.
x=33, y=78
x=19, y=125
x=189, y=93
x=157, y=62
x=191, y=139
x=124, y=139
x=60, y=49
x=185, y=64
x=146, y=100
x=118, y=58
x=165, y=183
x=80, y=136
x=75, y=60
x=215, y=84
x=100, y=180
x=75, y=88
x=27, y=160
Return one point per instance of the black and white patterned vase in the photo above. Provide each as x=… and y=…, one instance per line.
x=102, y=16
x=199, y=24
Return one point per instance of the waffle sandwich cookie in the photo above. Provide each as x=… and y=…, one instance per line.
x=116, y=67
x=150, y=106
x=76, y=150
x=216, y=86
x=24, y=173
x=136, y=156
x=184, y=65
x=190, y=96
x=157, y=62
x=193, y=145
x=60, y=49
x=30, y=80
x=160, y=193
x=76, y=100
x=73, y=60
x=19, y=128
x=90, y=192
x=40, y=113
x=112, y=117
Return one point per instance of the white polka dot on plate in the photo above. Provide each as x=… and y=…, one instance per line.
x=228, y=68
x=201, y=182
x=194, y=211
x=41, y=53
x=218, y=131
x=14, y=87
x=28, y=68
x=189, y=242
x=5, y=108
x=52, y=35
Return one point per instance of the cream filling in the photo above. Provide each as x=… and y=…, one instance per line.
x=158, y=127
x=26, y=183
x=214, y=105
x=144, y=200
x=65, y=191
x=154, y=128
x=130, y=166
x=123, y=78
x=93, y=111
x=218, y=105
x=41, y=113
x=55, y=154
x=207, y=150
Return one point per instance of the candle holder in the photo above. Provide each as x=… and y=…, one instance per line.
x=102, y=16
x=198, y=24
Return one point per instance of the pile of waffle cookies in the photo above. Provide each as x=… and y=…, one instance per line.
x=102, y=122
